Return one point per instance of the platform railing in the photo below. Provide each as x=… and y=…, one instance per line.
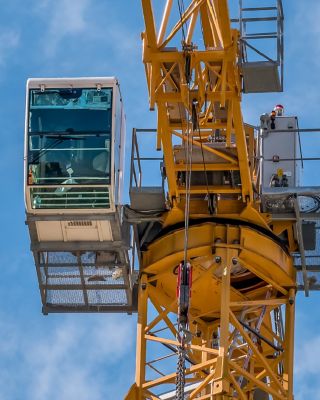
x=261, y=36
x=69, y=197
x=301, y=204
x=138, y=177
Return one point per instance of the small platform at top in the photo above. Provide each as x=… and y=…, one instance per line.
x=261, y=77
x=147, y=198
x=261, y=45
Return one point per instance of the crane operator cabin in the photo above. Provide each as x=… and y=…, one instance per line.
x=74, y=156
x=69, y=128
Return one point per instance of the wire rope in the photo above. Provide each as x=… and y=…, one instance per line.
x=181, y=350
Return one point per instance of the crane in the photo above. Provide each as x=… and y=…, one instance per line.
x=217, y=271
x=221, y=242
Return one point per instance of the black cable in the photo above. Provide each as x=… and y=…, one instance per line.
x=204, y=167
x=181, y=12
x=180, y=377
x=300, y=147
x=258, y=334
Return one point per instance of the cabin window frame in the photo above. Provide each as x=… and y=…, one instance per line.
x=93, y=192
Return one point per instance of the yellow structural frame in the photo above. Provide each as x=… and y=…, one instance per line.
x=219, y=59
x=216, y=306
x=235, y=349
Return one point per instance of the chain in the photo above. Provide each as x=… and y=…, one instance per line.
x=184, y=272
x=180, y=377
x=183, y=296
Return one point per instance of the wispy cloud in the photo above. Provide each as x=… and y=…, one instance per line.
x=64, y=18
x=308, y=356
x=70, y=359
x=307, y=348
x=9, y=41
x=66, y=23
x=307, y=391
x=68, y=362
x=302, y=31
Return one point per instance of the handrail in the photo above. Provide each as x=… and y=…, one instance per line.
x=249, y=15
x=136, y=158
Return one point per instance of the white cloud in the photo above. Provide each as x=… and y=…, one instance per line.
x=307, y=17
x=9, y=41
x=307, y=392
x=69, y=362
x=302, y=30
x=307, y=357
x=64, y=18
x=82, y=35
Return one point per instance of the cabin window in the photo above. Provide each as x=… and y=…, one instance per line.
x=69, y=146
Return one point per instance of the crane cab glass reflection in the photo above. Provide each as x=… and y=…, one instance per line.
x=69, y=145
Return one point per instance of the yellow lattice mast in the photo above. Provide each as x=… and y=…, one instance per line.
x=234, y=342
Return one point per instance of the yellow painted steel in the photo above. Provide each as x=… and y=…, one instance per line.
x=242, y=272
x=220, y=293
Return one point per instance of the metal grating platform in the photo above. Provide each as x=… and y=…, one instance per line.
x=82, y=282
x=83, y=262
x=301, y=205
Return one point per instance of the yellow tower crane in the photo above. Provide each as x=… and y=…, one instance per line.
x=226, y=238
x=218, y=272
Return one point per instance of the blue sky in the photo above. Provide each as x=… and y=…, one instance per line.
x=92, y=356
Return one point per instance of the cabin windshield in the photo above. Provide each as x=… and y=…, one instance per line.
x=69, y=140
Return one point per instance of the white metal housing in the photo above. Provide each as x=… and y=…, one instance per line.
x=117, y=140
x=280, y=153
x=74, y=163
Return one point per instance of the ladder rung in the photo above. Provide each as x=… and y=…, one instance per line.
x=259, y=9
x=257, y=19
